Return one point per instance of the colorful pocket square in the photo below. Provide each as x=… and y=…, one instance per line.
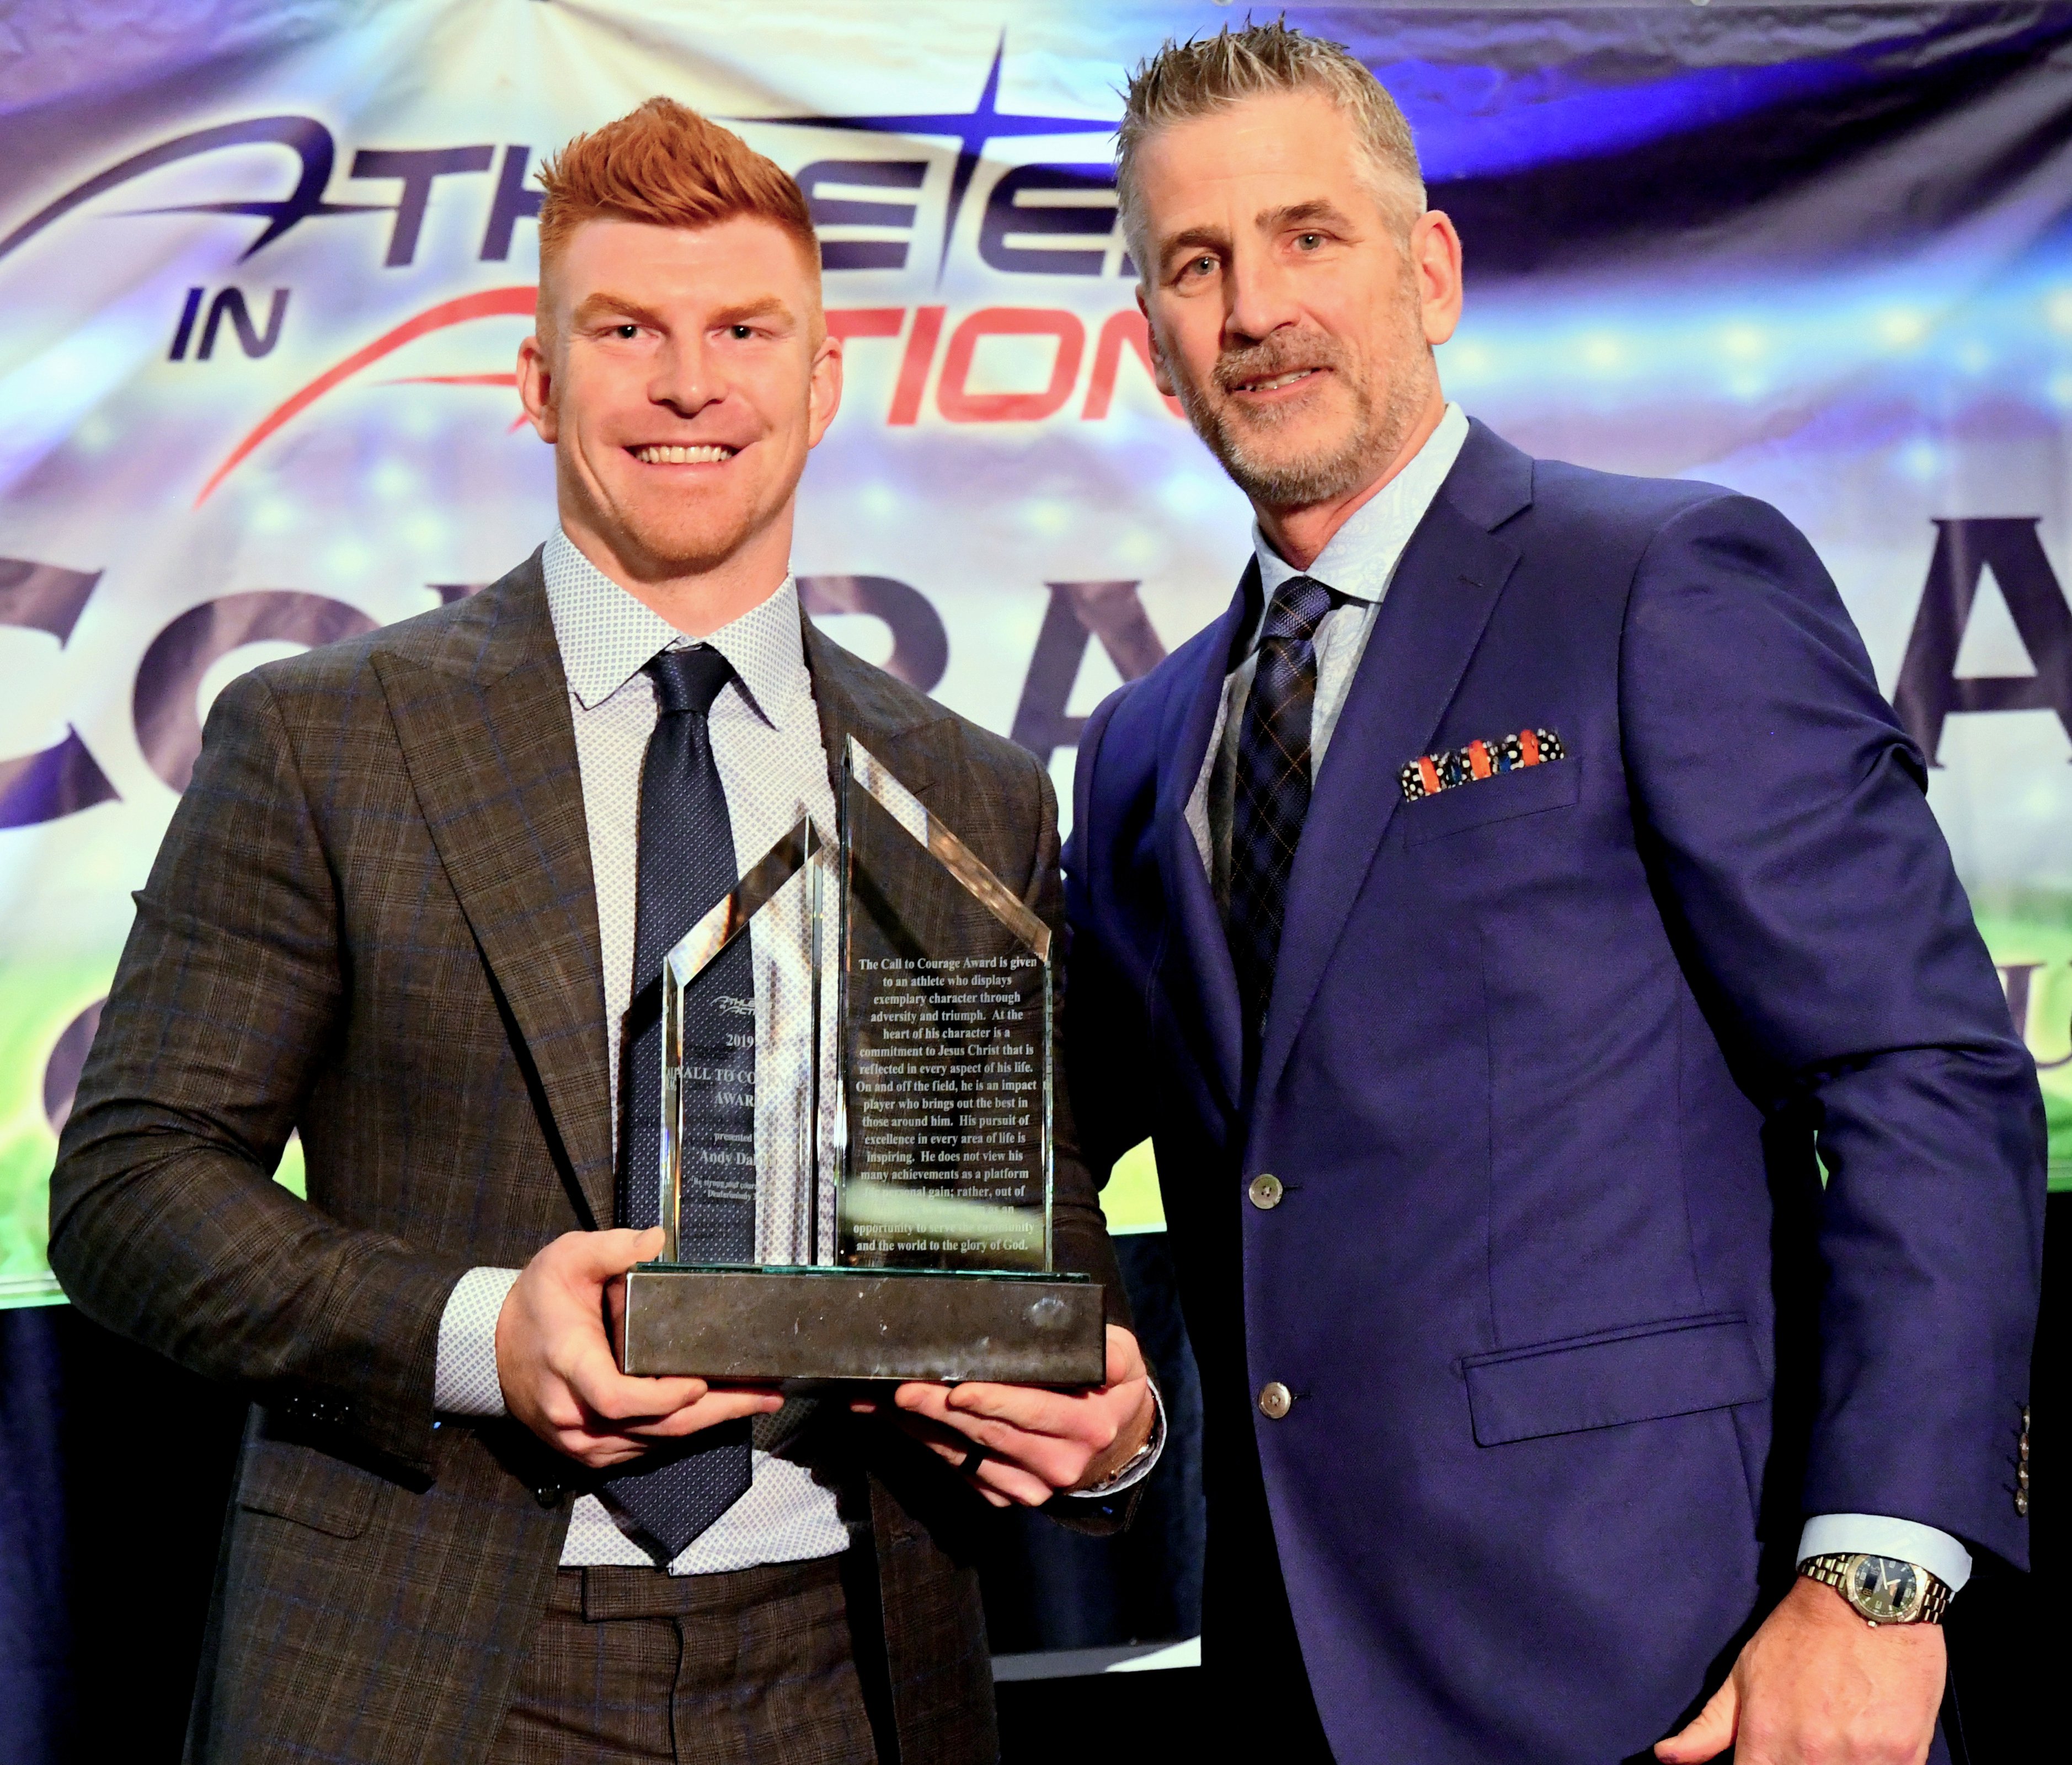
x=1430, y=773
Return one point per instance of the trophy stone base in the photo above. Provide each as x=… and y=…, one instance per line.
x=864, y=1323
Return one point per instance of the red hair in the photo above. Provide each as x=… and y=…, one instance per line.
x=666, y=165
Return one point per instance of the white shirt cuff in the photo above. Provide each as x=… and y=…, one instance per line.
x=464, y=1380
x=1142, y=1462
x=1878, y=1535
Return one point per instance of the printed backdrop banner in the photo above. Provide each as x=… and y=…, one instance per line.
x=264, y=267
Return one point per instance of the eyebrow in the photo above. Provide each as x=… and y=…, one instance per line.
x=765, y=306
x=1189, y=239
x=596, y=306
x=1267, y=220
x=1274, y=220
x=621, y=307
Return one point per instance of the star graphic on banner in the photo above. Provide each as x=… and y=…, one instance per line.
x=971, y=129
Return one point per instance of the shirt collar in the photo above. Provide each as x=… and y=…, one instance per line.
x=1362, y=555
x=607, y=635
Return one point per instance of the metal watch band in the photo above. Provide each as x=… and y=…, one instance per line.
x=1832, y=1570
x=1126, y=1472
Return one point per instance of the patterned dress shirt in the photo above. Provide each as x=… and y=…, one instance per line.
x=766, y=737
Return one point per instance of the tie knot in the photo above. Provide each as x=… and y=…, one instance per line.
x=688, y=680
x=1297, y=609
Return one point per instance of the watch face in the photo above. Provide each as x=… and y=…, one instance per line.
x=1883, y=1589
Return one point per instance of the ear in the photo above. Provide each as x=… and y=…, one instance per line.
x=1435, y=260
x=824, y=389
x=535, y=388
x=1158, y=370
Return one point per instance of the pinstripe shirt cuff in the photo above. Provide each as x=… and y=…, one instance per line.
x=464, y=1382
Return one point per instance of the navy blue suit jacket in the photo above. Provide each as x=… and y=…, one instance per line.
x=1576, y=1329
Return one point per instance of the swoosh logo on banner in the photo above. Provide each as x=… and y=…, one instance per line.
x=489, y=303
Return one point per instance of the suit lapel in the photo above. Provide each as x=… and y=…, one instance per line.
x=1201, y=984
x=490, y=746
x=1444, y=589
x=854, y=699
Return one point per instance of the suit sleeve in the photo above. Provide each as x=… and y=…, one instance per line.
x=166, y=1223
x=1783, y=813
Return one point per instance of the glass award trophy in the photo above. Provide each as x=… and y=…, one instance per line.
x=903, y=1232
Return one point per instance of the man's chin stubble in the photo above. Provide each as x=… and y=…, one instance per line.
x=1286, y=484
x=672, y=553
x=669, y=546
x=654, y=550
x=1313, y=477
x=1292, y=483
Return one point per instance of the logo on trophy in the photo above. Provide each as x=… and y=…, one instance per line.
x=920, y=1247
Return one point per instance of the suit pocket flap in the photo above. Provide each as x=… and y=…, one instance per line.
x=1650, y=1370
x=1555, y=784
x=302, y=1483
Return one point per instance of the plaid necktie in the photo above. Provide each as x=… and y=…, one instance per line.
x=686, y=863
x=1272, y=795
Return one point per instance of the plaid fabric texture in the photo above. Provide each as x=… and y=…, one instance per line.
x=627, y=1667
x=1272, y=795
x=373, y=921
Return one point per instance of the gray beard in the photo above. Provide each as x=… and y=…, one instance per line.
x=1286, y=484
x=1373, y=439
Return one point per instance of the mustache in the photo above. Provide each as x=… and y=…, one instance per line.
x=1279, y=354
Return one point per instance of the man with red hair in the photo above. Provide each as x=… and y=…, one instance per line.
x=413, y=906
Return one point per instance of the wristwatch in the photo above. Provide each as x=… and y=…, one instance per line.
x=1883, y=1590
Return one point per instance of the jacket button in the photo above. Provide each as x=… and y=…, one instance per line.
x=547, y=1495
x=1275, y=1400
x=1265, y=1191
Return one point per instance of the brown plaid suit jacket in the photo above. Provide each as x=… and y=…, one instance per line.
x=373, y=921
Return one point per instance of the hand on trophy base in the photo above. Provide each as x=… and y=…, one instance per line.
x=1023, y=1444
x=560, y=1376
x=932, y=1259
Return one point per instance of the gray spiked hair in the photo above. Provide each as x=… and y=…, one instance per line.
x=1185, y=81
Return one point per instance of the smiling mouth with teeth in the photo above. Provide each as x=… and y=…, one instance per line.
x=707, y=454
x=1279, y=380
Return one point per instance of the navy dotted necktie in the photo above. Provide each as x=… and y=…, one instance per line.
x=1272, y=797
x=687, y=863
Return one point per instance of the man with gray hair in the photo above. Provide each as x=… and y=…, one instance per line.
x=1498, y=919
